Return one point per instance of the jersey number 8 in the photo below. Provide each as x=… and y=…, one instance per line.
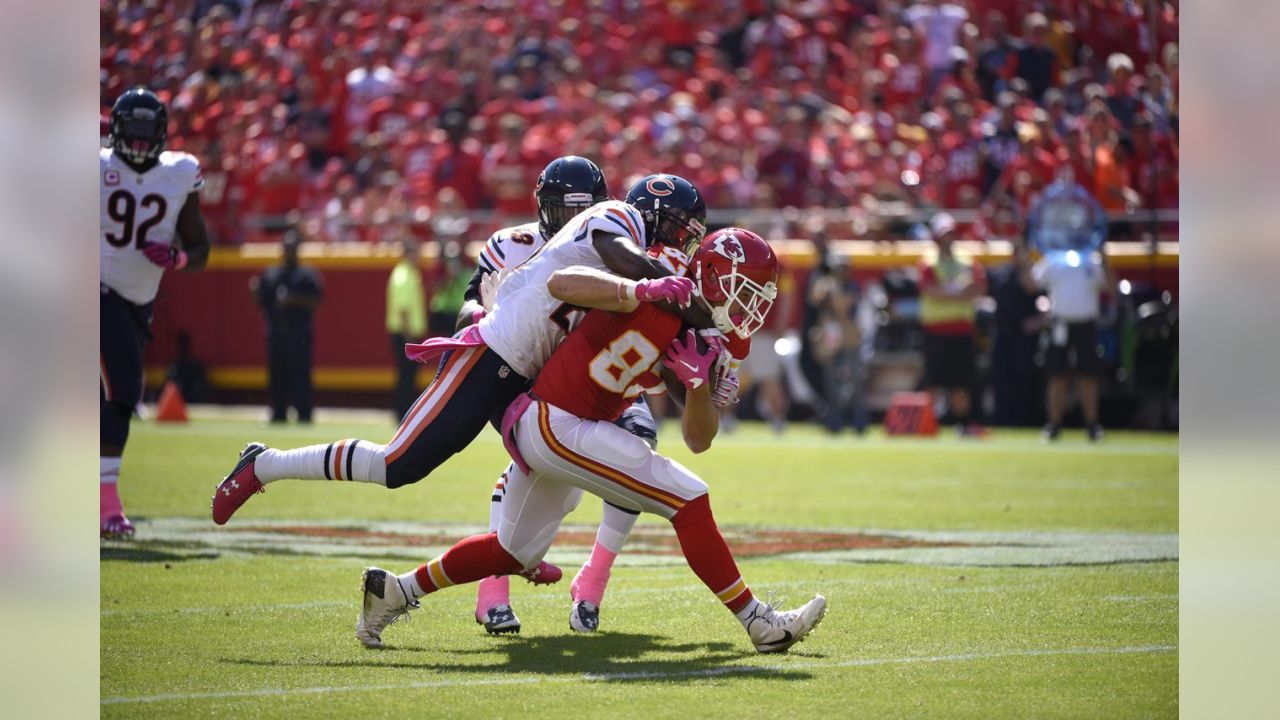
x=625, y=359
x=122, y=206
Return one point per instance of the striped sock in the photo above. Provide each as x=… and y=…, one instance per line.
x=708, y=555
x=469, y=560
x=358, y=460
x=108, y=470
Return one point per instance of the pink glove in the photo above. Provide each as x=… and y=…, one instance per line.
x=726, y=389
x=692, y=368
x=166, y=256
x=678, y=290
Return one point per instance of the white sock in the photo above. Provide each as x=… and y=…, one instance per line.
x=409, y=583
x=108, y=470
x=744, y=615
x=615, y=528
x=358, y=460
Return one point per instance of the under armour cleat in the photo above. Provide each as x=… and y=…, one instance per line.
x=385, y=603
x=236, y=489
x=584, y=617
x=774, y=631
x=115, y=526
x=499, y=620
x=544, y=574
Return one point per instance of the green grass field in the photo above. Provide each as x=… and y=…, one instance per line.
x=997, y=578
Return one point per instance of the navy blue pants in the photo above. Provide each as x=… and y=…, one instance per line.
x=124, y=331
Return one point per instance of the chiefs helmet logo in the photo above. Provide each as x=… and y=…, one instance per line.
x=661, y=186
x=730, y=246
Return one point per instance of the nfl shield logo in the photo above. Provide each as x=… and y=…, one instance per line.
x=504, y=371
x=111, y=177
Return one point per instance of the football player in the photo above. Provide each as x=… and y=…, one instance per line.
x=563, y=440
x=150, y=223
x=566, y=187
x=488, y=365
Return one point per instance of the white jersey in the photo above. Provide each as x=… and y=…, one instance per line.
x=527, y=323
x=138, y=208
x=510, y=247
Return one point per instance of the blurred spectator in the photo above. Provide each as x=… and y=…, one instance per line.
x=449, y=289
x=940, y=23
x=289, y=294
x=188, y=372
x=1037, y=62
x=406, y=322
x=1121, y=99
x=1074, y=282
x=949, y=285
x=1017, y=335
x=997, y=57
x=785, y=166
x=837, y=344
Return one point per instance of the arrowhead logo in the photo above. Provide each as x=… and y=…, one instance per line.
x=730, y=246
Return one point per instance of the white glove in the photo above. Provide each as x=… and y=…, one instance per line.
x=489, y=288
x=726, y=390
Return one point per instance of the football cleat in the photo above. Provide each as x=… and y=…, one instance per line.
x=238, y=486
x=774, y=631
x=1094, y=433
x=544, y=574
x=1050, y=433
x=385, y=603
x=115, y=527
x=584, y=617
x=499, y=620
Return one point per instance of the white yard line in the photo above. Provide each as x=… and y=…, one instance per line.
x=639, y=675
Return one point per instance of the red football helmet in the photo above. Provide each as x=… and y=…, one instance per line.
x=737, y=275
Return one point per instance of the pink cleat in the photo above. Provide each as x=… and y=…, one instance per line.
x=544, y=574
x=115, y=527
x=112, y=524
x=236, y=489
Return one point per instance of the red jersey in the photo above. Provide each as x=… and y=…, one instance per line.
x=607, y=361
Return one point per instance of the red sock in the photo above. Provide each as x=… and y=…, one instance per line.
x=708, y=555
x=469, y=560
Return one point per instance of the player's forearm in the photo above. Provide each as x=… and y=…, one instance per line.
x=591, y=288
x=197, y=256
x=467, y=315
x=701, y=419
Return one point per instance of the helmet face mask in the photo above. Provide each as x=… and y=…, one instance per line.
x=566, y=187
x=737, y=276
x=139, y=127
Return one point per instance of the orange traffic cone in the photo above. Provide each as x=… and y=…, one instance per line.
x=910, y=413
x=171, y=408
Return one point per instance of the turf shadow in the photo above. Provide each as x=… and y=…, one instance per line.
x=607, y=657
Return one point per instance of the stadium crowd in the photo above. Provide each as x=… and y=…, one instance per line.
x=364, y=114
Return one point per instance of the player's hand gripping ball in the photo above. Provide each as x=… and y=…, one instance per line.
x=693, y=367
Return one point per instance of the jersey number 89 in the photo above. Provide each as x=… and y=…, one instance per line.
x=617, y=366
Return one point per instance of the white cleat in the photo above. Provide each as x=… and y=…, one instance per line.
x=774, y=631
x=584, y=617
x=385, y=603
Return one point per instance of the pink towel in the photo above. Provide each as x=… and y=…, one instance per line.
x=509, y=418
x=428, y=350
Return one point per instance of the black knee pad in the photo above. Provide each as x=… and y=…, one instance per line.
x=114, y=418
